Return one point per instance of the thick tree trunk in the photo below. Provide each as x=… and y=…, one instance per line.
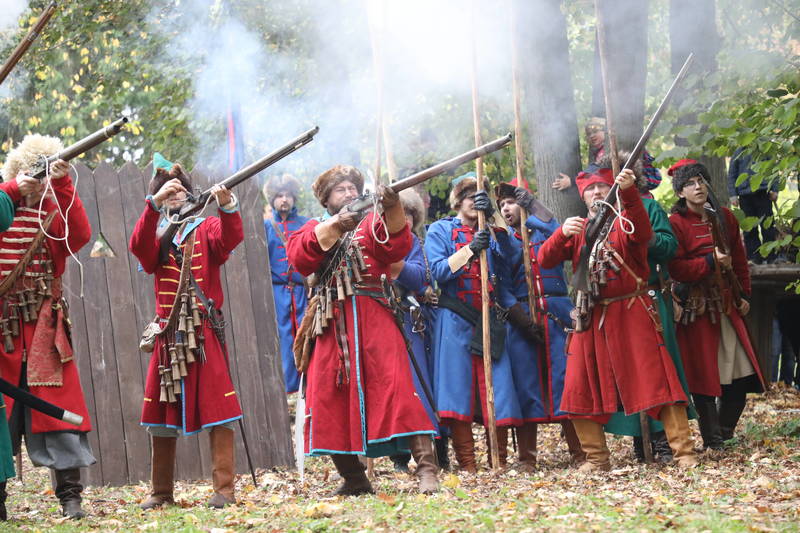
x=548, y=102
x=625, y=23
x=693, y=28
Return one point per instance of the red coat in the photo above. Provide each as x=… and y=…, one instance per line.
x=208, y=396
x=625, y=359
x=699, y=340
x=380, y=402
x=14, y=242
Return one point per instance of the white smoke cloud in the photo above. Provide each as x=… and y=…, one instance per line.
x=10, y=12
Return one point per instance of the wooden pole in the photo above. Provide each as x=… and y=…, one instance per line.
x=491, y=425
x=615, y=168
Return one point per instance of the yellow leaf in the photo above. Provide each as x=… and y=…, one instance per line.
x=135, y=129
x=84, y=52
x=78, y=89
x=85, y=60
x=451, y=481
x=126, y=84
x=42, y=75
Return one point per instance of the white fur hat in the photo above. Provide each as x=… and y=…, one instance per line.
x=28, y=153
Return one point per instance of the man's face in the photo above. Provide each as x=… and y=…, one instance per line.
x=283, y=203
x=341, y=195
x=466, y=211
x=510, y=211
x=596, y=136
x=593, y=193
x=175, y=201
x=695, y=191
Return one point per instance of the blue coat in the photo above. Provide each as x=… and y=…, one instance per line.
x=413, y=280
x=456, y=369
x=538, y=374
x=289, y=293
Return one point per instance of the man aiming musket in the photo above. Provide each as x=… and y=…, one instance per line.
x=360, y=397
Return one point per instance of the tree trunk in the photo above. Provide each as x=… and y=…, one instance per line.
x=548, y=102
x=625, y=23
x=693, y=28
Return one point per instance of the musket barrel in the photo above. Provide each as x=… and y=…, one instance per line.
x=451, y=164
x=84, y=145
x=23, y=46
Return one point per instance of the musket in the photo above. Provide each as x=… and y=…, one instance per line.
x=23, y=46
x=82, y=146
x=598, y=224
x=196, y=203
x=365, y=202
x=37, y=404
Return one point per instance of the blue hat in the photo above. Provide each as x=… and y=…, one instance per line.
x=159, y=161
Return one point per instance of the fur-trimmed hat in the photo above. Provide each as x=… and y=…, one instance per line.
x=683, y=173
x=29, y=152
x=601, y=175
x=285, y=183
x=641, y=180
x=463, y=186
x=329, y=179
x=163, y=171
x=412, y=205
x=595, y=123
x=679, y=164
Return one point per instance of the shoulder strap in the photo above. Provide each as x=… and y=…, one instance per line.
x=20, y=267
x=183, y=281
x=278, y=231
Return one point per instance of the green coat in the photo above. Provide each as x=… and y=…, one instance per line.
x=6, y=459
x=658, y=254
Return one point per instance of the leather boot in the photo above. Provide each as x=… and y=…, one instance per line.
x=593, y=443
x=662, y=452
x=68, y=491
x=400, y=462
x=422, y=451
x=222, y=467
x=731, y=406
x=573, y=443
x=3, y=495
x=463, y=445
x=526, y=444
x=355, y=480
x=442, y=445
x=502, y=446
x=676, y=426
x=708, y=420
x=162, y=473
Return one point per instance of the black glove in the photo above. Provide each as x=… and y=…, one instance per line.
x=522, y=321
x=524, y=198
x=480, y=241
x=483, y=203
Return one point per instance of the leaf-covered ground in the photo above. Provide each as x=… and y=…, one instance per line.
x=755, y=486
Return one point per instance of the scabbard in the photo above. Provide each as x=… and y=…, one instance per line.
x=37, y=404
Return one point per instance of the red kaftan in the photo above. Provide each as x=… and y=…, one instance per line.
x=699, y=340
x=208, y=396
x=14, y=242
x=625, y=360
x=379, y=402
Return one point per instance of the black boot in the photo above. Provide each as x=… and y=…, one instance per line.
x=68, y=491
x=638, y=449
x=442, y=446
x=400, y=462
x=662, y=453
x=708, y=420
x=3, y=495
x=731, y=406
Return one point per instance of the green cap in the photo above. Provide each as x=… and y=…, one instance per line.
x=470, y=174
x=159, y=161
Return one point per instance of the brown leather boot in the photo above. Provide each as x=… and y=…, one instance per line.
x=223, y=467
x=352, y=471
x=422, y=451
x=573, y=443
x=162, y=473
x=463, y=445
x=593, y=443
x=526, y=444
x=68, y=490
x=676, y=426
x=502, y=446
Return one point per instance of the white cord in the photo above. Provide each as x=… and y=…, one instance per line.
x=375, y=220
x=622, y=220
x=63, y=214
x=173, y=219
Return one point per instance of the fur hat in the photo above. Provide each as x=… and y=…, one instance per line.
x=329, y=179
x=601, y=175
x=29, y=152
x=683, y=173
x=463, y=186
x=412, y=205
x=595, y=123
x=163, y=171
x=641, y=180
x=285, y=183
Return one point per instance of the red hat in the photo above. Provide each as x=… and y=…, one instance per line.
x=524, y=185
x=601, y=175
x=679, y=164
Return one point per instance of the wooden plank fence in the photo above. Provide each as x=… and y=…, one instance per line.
x=118, y=301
